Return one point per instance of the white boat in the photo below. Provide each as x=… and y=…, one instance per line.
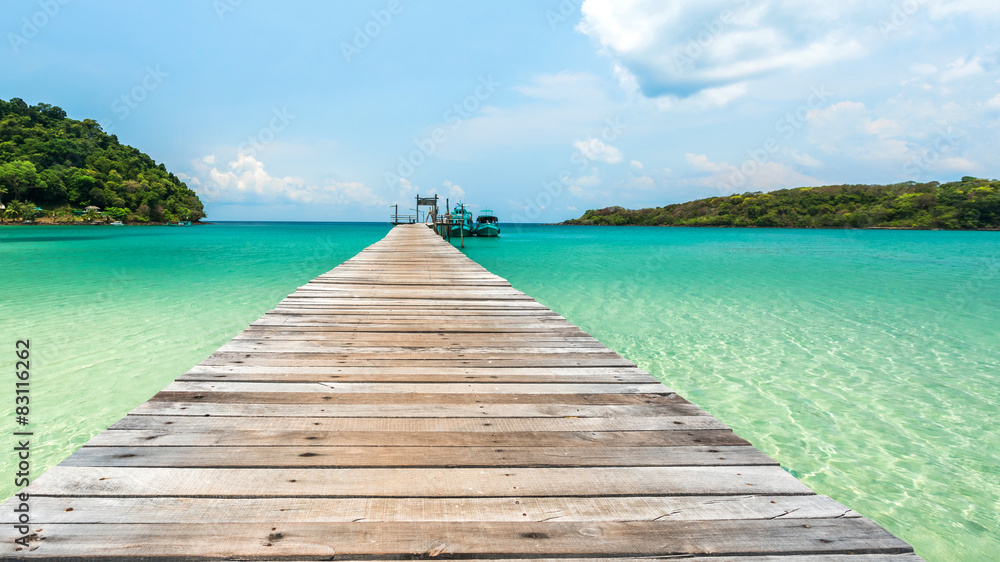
x=118, y=223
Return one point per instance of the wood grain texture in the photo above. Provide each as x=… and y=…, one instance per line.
x=55, y=510
x=410, y=404
x=451, y=539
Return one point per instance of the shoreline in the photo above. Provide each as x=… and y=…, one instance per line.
x=33, y=223
x=776, y=227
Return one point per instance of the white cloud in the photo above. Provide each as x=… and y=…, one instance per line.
x=593, y=180
x=846, y=128
x=750, y=176
x=721, y=97
x=686, y=46
x=455, y=191
x=555, y=109
x=994, y=101
x=583, y=185
x=943, y=8
x=407, y=191
x=626, y=80
x=644, y=183
x=924, y=141
x=701, y=163
x=245, y=180
x=596, y=149
x=562, y=86
x=804, y=159
x=954, y=164
x=637, y=165
x=883, y=128
x=962, y=68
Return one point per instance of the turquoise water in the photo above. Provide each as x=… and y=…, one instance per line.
x=865, y=361
x=114, y=314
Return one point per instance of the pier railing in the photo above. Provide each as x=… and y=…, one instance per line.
x=402, y=219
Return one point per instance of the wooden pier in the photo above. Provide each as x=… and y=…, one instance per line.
x=409, y=404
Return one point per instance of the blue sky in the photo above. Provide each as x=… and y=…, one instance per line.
x=315, y=110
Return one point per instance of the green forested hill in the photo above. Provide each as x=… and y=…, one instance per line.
x=61, y=165
x=971, y=203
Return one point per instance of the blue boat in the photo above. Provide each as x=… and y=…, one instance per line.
x=487, y=224
x=463, y=218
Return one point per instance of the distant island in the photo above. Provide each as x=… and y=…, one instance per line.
x=969, y=204
x=61, y=171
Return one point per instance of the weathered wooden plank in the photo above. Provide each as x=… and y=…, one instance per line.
x=462, y=538
x=406, y=323
x=335, y=399
x=276, y=456
x=264, y=374
x=328, y=348
x=709, y=439
x=410, y=294
x=417, y=326
x=117, y=510
x=417, y=339
x=63, y=480
x=429, y=304
x=651, y=390
x=501, y=315
x=660, y=438
x=418, y=369
x=318, y=360
x=485, y=410
x=395, y=426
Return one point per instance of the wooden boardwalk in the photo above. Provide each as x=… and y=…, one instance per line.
x=409, y=404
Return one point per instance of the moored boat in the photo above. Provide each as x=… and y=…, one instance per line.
x=461, y=220
x=487, y=224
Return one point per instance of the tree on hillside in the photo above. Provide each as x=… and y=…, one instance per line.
x=52, y=161
x=18, y=210
x=18, y=176
x=971, y=203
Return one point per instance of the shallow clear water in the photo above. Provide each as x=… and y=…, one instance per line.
x=866, y=362
x=114, y=314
